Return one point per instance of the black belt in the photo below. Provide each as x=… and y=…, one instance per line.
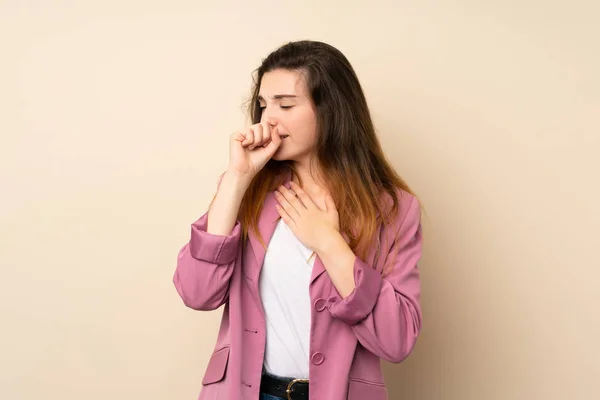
x=286, y=388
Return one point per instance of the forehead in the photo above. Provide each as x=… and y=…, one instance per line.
x=282, y=81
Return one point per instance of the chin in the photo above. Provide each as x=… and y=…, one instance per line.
x=280, y=156
x=293, y=156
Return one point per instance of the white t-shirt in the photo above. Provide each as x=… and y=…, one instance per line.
x=284, y=282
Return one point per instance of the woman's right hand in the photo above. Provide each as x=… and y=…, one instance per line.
x=249, y=151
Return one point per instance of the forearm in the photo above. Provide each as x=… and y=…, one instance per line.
x=386, y=320
x=338, y=260
x=223, y=212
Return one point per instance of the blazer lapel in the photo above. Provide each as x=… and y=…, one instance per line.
x=267, y=223
x=318, y=269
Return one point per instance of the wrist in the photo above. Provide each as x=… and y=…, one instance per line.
x=238, y=179
x=330, y=244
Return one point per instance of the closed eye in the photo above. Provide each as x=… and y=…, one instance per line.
x=283, y=107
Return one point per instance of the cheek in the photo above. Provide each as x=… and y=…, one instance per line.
x=305, y=126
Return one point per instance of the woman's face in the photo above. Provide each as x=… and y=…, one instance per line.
x=286, y=103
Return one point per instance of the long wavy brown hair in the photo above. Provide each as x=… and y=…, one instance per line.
x=354, y=168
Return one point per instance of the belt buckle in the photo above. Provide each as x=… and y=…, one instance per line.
x=289, y=387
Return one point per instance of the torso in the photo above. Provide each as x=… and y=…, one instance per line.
x=284, y=281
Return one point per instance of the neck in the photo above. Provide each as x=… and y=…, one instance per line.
x=310, y=181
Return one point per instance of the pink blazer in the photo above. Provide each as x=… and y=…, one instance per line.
x=380, y=319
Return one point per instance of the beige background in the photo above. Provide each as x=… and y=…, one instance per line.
x=114, y=124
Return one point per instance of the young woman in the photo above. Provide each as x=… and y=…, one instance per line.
x=311, y=242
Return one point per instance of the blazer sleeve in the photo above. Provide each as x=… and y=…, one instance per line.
x=384, y=311
x=205, y=265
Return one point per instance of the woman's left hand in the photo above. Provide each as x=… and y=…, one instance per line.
x=312, y=225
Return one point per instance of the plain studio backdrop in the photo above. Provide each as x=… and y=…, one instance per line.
x=114, y=123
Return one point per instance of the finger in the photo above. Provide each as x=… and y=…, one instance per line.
x=239, y=136
x=249, y=138
x=266, y=142
x=292, y=198
x=266, y=130
x=258, y=134
x=267, y=137
x=303, y=196
x=275, y=141
x=287, y=206
x=285, y=217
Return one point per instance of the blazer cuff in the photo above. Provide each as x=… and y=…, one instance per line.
x=360, y=302
x=215, y=249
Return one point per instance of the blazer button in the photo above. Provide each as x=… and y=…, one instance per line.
x=320, y=304
x=318, y=358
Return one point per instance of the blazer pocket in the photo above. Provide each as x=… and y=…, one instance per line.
x=359, y=389
x=217, y=365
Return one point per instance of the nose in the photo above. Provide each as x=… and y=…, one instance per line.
x=272, y=124
x=268, y=119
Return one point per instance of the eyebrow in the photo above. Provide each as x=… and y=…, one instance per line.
x=277, y=96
